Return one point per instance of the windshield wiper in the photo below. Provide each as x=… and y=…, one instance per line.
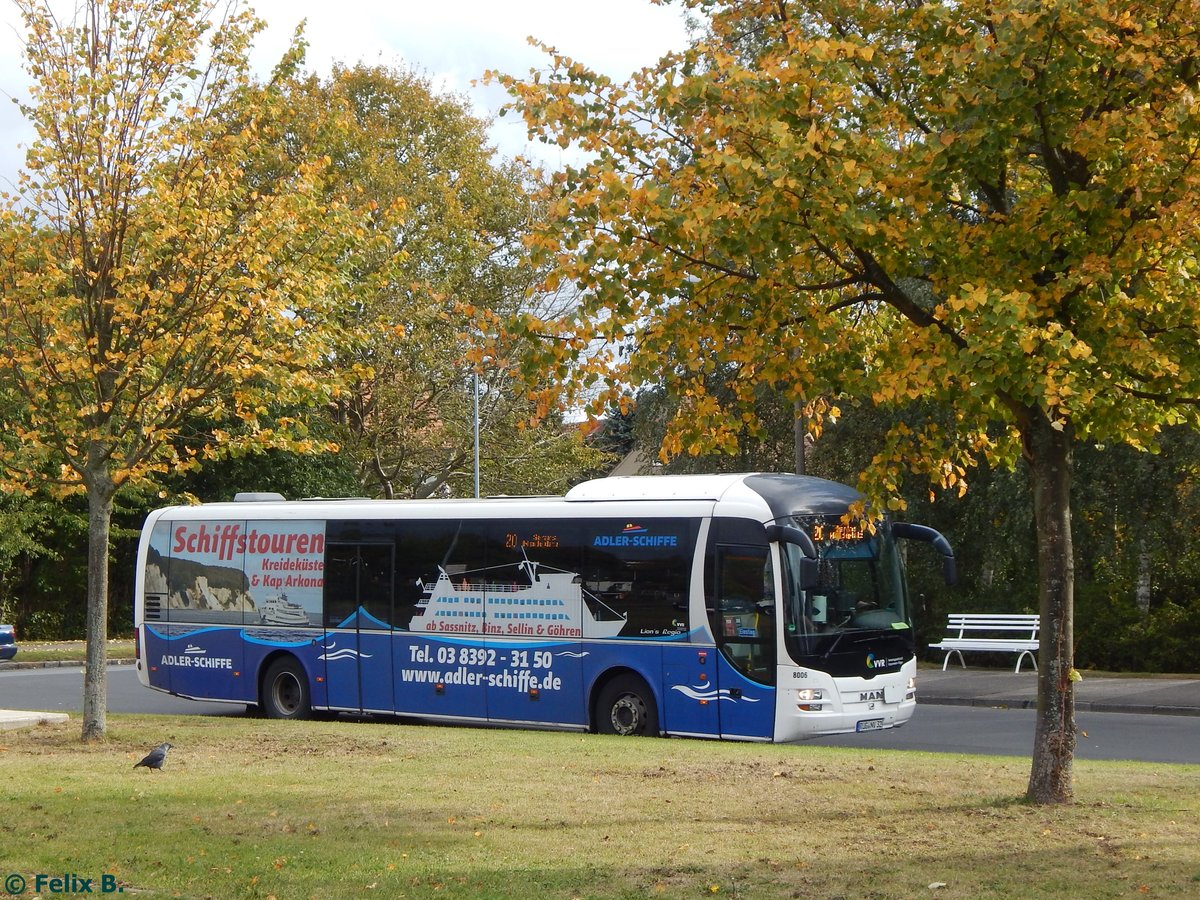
x=833, y=646
x=861, y=636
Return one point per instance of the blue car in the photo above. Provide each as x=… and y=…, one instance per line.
x=8, y=642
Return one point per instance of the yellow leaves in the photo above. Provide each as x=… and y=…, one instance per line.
x=826, y=50
x=969, y=298
x=206, y=295
x=784, y=160
x=953, y=476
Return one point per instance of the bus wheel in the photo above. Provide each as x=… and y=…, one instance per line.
x=626, y=706
x=285, y=691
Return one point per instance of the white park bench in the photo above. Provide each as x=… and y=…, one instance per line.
x=990, y=632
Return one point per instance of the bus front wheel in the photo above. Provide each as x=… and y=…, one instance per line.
x=285, y=691
x=626, y=706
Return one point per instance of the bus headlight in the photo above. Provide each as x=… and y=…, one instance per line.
x=805, y=698
x=911, y=690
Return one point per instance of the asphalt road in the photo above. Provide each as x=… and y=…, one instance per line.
x=939, y=729
x=61, y=690
x=1009, y=732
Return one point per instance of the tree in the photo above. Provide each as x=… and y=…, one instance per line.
x=767, y=447
x=144, y=281
x=441, y=253
x=987, y=204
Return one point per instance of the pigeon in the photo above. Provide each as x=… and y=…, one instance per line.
x=156, y=757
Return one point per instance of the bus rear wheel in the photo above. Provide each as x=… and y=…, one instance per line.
x=285, y=691
x=626, y=706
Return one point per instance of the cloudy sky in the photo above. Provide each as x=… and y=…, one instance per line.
x=450, y=42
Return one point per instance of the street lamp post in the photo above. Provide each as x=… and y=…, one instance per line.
x=475, y=417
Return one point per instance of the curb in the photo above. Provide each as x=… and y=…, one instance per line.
x=1080, y=706
x=59, y=664
x=1144, y=710
x=12, y=720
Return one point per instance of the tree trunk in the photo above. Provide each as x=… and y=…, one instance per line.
x=1049, y=455
x=95, y=677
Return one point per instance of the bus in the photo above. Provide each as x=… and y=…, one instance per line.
x=740, y=607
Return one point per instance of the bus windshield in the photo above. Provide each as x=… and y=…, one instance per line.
x=860, y=587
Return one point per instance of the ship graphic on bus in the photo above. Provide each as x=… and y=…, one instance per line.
x=531, y=599
x=278, y=610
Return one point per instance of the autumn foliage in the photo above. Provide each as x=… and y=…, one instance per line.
x=989, y=205
x=146, y=283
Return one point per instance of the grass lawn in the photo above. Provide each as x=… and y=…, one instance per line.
x=253, y=808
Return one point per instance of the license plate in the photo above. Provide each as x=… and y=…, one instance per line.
x=869, y=725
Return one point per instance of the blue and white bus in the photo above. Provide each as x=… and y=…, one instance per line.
x=740, y=607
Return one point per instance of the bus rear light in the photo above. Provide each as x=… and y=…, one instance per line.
x=137, y=645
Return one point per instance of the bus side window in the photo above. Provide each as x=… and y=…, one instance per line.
x=647, y=582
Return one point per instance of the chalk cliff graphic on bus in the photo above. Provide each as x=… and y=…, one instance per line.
x=269, y=573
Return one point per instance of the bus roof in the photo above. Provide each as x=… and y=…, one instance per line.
x=738, y=494
x=784, y=494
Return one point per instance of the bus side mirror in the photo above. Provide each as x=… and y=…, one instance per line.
x=810, y=573
x=810, y=569
x=789, y=534
x=934, y=537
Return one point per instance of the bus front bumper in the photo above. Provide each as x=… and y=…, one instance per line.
x=824, y=705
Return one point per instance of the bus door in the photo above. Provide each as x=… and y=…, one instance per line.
x=535, y=620
x=742, y=616
x=357, y=652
